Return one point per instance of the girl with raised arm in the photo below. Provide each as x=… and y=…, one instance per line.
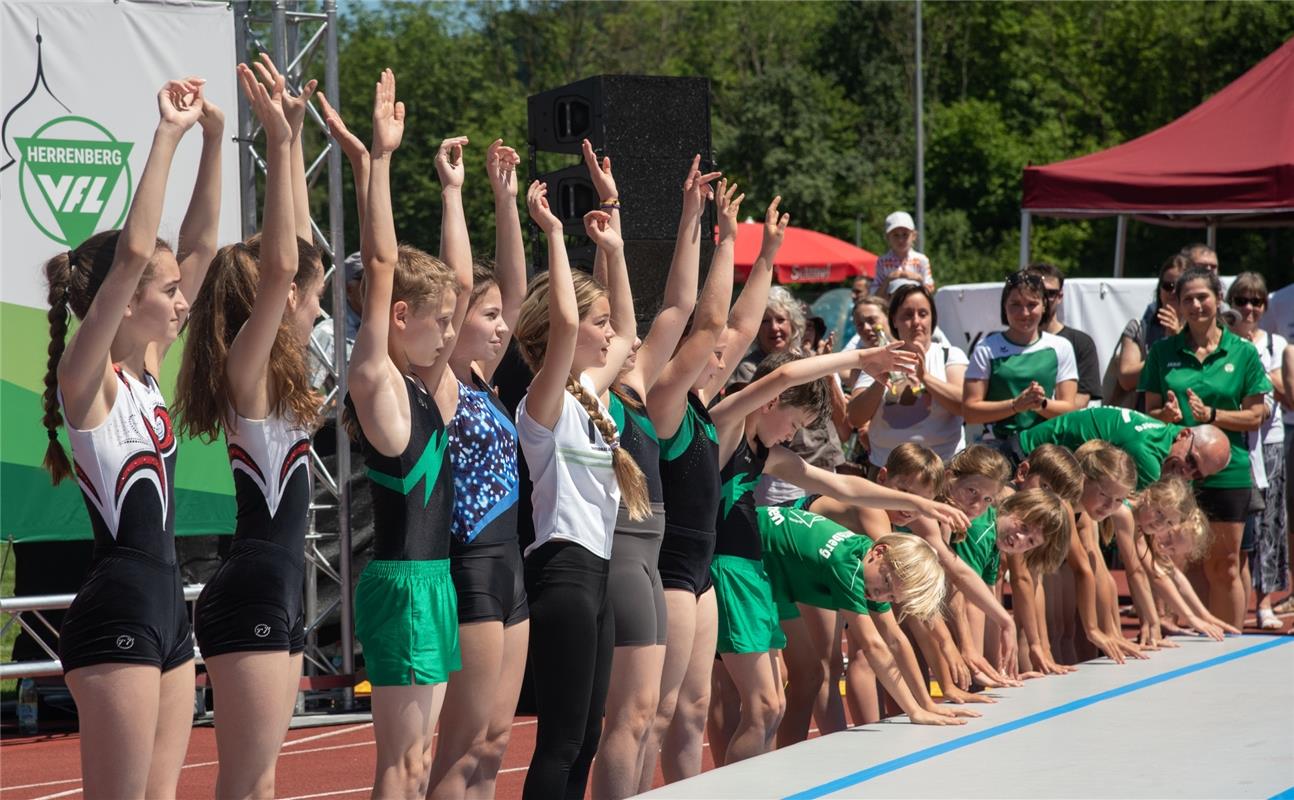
x=403, y=395
x=244, y=376
x=580, y=471
x=637, y=598
x=485, y=560
x=678, y=406
x=126, y=643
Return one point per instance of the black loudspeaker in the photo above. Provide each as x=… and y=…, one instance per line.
x=651, y=127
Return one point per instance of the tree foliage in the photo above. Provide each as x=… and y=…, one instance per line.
x=814, y=101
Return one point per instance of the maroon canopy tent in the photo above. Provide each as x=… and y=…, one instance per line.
x=1229, y=162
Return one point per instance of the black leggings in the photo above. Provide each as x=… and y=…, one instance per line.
x=572, y=634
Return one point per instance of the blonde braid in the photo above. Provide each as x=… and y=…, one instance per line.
x=633, y=484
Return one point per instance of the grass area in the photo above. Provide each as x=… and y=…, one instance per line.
x=9, y=688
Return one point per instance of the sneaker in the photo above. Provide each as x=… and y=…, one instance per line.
x=1285, y=606
x=1268, y=621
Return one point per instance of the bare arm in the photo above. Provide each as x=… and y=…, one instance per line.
x=1024, y=608
x=294, y=108
x=1130, y=364
x=864, y=636
x=971, y=585
x=455, y=245
x=864, y=403
x=356, y=154
x=1125, y=529
x=906, y=660
x=200, y=230
x=85, y=374
x=547, y=392
x=501, y=164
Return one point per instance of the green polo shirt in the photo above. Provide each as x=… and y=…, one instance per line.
x=979, y=548
x=1143, y=437
x=812, y=560
x=1227, y=376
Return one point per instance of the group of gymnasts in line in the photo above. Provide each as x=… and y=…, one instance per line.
x=650, y=554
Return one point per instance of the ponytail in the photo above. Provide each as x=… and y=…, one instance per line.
x=58, y=273
x=633, y=484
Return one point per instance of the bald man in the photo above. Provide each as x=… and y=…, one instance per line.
x=1158, y=448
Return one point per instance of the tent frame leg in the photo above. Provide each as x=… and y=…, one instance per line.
x=1120, y=244
x=1026, y=225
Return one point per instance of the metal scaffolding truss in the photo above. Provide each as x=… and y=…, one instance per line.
x=294, y=39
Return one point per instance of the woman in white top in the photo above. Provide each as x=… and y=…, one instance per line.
x=571, y=336
x=1270, y=561
x=926, y=410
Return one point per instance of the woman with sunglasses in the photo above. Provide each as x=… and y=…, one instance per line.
x=1159, y=321
x=1023, y=375
x=1208, y=375
x=1270, y=560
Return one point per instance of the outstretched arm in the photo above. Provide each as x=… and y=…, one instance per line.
x=247, y=367
x=864, y=636
x=294, y=108
x=356, y=154
x=501, y=164
x=906, y=660
x=85, y=374
x=200, y=230
x=455, y=245
x=1024, y=608
x=611, y=253
x=548, y=389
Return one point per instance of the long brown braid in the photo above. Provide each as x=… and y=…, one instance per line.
x=633, y=484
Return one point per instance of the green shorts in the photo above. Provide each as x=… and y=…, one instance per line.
x=786, y=609
x=747, y=613
x=406, y=619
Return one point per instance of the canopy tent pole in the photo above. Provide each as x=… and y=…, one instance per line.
x=1120, y=244
x=921, y=138
x=1024, y=238
x=1211, y=236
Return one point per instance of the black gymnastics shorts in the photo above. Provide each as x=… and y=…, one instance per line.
x=130, y=609
x=253, y=603
x=685, y=556
x=490, y=582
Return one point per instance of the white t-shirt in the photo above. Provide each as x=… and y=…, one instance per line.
x=575, y=494
x=924, y=422
x=1279, y=317
x=1272, y=431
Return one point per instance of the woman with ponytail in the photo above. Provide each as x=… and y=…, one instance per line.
x=126, y=644
x=244, y=376
x=573, y=339
x=403, y=397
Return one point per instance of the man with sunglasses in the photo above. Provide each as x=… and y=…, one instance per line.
x=1158, y=448
x=1089, y=363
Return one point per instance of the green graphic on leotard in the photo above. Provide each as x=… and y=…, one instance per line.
x=736, y=488
x=676, y=445
x=428, y=466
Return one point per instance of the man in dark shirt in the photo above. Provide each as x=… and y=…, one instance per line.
x=1089, y=364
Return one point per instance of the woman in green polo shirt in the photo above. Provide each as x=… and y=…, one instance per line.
x=1207, y=374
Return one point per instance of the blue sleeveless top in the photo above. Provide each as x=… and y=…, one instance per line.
x=483, y=450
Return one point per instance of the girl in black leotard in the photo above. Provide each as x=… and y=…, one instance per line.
x=485, y=558
x=127, y=633
x=402, y=396
x=244, y=376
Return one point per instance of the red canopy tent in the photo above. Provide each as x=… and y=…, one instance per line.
x=805, y=257
x=1228, y=162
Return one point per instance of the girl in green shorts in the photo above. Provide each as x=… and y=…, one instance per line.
x=401, y=394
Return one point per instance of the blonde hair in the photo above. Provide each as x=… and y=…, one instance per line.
x=916, y=568
x=983, y=461
x=1059, y=470
x=531, y=336
x=1045, y=509
x=917, y=461
x=1101, y=460
x=1173, y=492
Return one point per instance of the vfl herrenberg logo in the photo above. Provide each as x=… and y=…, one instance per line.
x=70, y=170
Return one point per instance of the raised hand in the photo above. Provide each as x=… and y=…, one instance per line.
x=501, y=164
x=774, y=228
x=179, y=103
x=880, y=361
x=212, y=120
x=697, y=188
x=728, y=206
x=1171, y=412
x=1167, y=317
x=537, y=204
x=267, y=105
x=597, y=224
x=294, y=107
x=1199, y=410
x=349, y=142
x=951, y=516
x=600, y=173
x=388, y=117
x=449, y=162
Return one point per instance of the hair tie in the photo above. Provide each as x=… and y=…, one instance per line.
x=614, y=444
x=53, y=434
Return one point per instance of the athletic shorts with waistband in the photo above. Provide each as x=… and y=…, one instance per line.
x=253, y=602
x=490, y=582
x=685, y=556
x=634, y=584
x=748, y=616
x=129, y=610
x=406, y=618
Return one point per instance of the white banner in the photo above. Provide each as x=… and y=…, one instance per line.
x=79, y=110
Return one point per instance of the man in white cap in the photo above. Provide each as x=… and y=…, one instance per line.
x=901, y=264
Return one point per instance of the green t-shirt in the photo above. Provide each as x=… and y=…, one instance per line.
x=979, y=548
x=1009, y=368
x=1226, y=377
x=812, y=560
x=1143, y=437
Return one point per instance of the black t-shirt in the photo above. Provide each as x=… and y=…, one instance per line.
x=1089, y=364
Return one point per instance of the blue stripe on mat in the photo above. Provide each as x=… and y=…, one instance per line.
x=1288, y=794
x=918, y=756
